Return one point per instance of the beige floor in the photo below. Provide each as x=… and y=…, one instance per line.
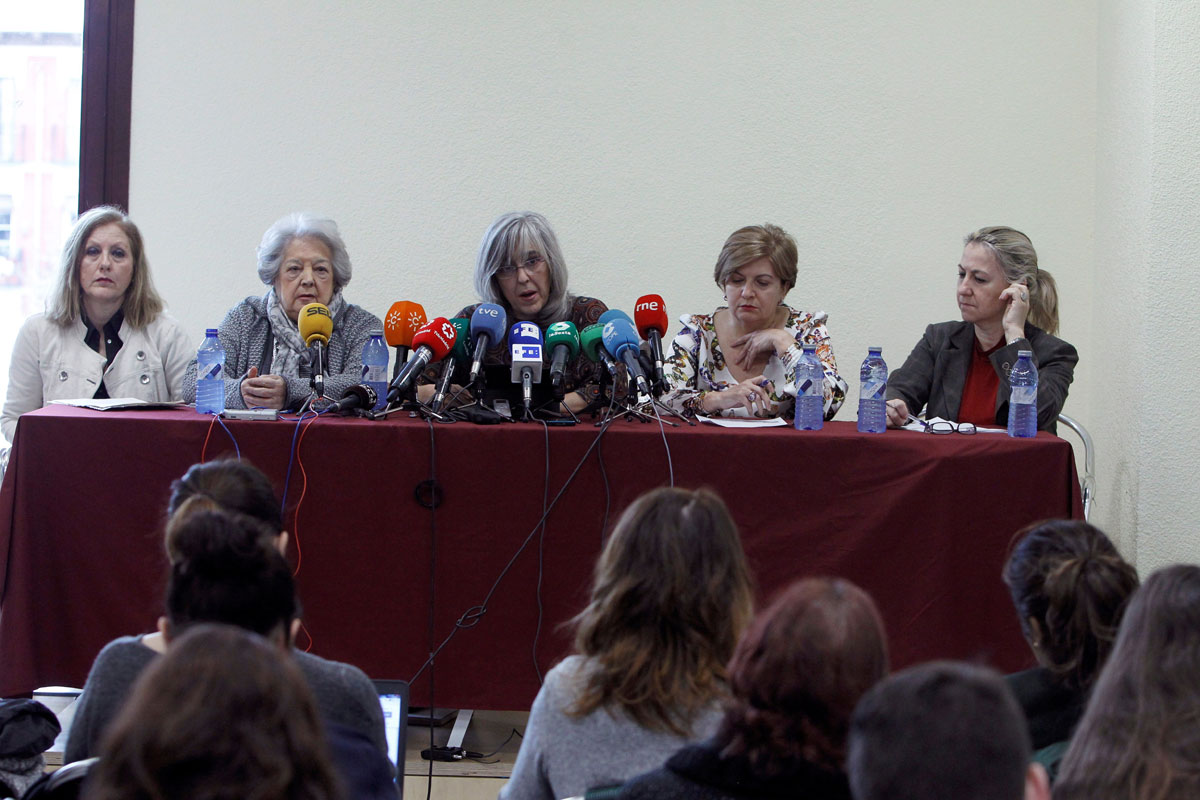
x=465, y=780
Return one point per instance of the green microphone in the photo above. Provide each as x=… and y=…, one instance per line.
x=563, y=340
x=591, y=339
x=458, y=355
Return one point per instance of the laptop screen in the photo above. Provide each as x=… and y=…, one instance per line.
x=393, y=699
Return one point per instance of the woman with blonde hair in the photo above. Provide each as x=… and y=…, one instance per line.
x=104, y=333
x=959, y=370
x=671, y=595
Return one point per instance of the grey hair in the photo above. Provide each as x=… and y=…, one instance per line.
x=518, y=232
x=1019, y=262
x=300, y=225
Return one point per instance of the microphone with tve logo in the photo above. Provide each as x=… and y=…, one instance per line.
x=563, y=340
x=487, y=329
x=431, y=343
x=650, y=314
x=402, y=322
x=458, y=355
x=525, y=343
x=316, y=326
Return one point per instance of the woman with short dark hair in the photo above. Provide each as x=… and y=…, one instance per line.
x=795, y=678
x=671, y=594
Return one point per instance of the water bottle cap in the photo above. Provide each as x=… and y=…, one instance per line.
x=376, y=332
x=1024, y=354
x=874, y=350
x=210, y=332
x=808, y=348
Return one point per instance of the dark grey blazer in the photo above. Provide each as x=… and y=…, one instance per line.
x=933, y=376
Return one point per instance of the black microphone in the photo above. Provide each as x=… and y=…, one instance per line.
x=357, y=396
x=450, y=364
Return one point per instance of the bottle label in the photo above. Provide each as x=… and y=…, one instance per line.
x=214, y=372
x=373, y=373
x=872, y=389
x=1026, y=395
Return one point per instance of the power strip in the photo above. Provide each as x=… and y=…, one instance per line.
x=250, y=413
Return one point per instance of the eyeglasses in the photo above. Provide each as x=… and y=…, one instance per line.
x=942, y=427
x=533, y=265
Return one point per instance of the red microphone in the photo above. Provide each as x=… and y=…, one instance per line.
x=399, y=326
x=650, y=316
x=430, y=343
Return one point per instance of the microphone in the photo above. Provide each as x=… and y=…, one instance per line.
x=403, y=320
x=487, y=328
x=357, y=396
x=431, y=343
x=591, y=341
x=316, y=326
x=525, y=340
x=650, y=314
x=458, y=355
x=621, y=340
x=563, y=340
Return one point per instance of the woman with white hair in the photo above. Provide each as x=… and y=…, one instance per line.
x=104, y=333
x=303, y=260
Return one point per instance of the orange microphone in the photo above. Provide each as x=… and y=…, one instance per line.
x=402, y=322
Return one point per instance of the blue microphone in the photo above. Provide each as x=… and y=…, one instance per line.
x=525, y=342
x=621, y=339
x=487, y=328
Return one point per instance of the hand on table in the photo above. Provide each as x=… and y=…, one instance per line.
x=749, y=394
x=263, y=391
x=897, y=413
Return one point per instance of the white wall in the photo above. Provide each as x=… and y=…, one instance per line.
x=878, y=133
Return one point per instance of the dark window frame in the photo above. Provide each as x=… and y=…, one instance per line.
x=107, y=100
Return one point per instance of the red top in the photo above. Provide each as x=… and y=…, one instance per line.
x=979, y=391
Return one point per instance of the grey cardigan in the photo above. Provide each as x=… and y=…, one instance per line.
x=936, y=370
x=244, y=334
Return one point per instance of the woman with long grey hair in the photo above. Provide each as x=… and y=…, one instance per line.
x=302, y=259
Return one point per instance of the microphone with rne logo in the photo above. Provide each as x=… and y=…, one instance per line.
x=650, y=314
x=621, y=340
x=563, y=340
x=487, y=328
x=316, y=326
x=431, y=343
x=591, y=341
x=525, y=343
x=458, y=355
x=402, y=322
x=357, y=396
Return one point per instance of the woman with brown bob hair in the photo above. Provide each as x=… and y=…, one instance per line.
x=796, y=677
x=1070, y=587
x=222, y=715
x=671, y=595
x=1140, y=736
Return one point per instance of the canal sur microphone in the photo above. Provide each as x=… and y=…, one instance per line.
x=402, y=322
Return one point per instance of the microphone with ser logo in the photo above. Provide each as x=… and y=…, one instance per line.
x=316, y=326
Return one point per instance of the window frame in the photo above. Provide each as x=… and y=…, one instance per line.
x=107, y=89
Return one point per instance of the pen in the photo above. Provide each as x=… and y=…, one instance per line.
x=911, y=419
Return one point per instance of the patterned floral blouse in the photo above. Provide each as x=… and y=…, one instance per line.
x=697, y=366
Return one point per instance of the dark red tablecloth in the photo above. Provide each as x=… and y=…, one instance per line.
x=920, y=521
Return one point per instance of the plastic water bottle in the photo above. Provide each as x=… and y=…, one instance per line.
x=872, y=406
x=810, y=391
x=210, y=374
x=1022, y=402
x=375, y=367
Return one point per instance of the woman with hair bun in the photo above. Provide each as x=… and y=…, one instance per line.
x=671, y=594
x=959, y=370
x=795, y=678
x=1140, y=736
x=1070, y=587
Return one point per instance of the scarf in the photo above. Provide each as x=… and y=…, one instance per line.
x=290, y=354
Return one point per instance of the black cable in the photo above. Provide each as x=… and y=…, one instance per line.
x=662, y=429
x=607, y=495
x=470, y=618
x=480, y=756
x=537, y=631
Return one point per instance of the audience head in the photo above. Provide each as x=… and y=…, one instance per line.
x=1140, y=735
x=224, y=484
x=671, y=595
x=521, y=267
x=1017, y=259
x=141, y=304
x=222, y=715
x=798, y=672
x=227, y=572
x=942, y=729
x=1069, y=586
x=749, y=244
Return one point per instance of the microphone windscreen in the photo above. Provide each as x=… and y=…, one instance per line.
x=525, y=333
x=614, y=313
x=462, y=326
x=619, y=335
x=591, y=339
x=402, y=322
x=650, y=314
x=488, y=318
x=438, y=335
x=315, y=323
x=563, y=333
